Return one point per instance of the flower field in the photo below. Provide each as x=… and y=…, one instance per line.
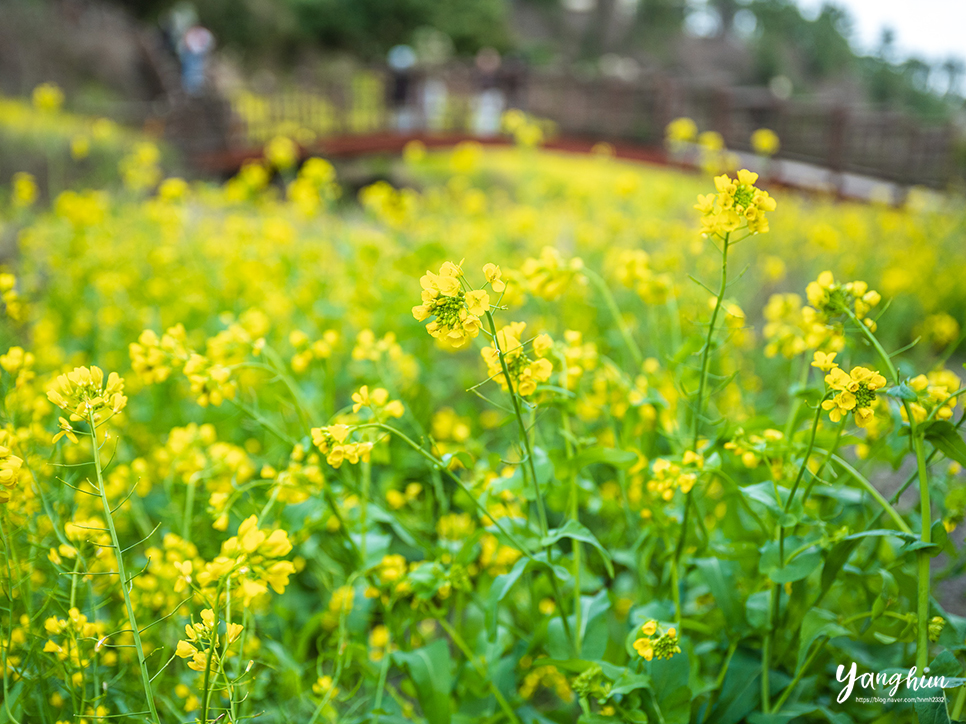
x=531, y=438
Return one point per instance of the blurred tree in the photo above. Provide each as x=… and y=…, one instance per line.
x=954, y=69
x=370, y=27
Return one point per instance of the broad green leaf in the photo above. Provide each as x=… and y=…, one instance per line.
x=818, y=623
x=795, y=569
x=740, y=691
x=835, y=561
x=764, y=493
x=669, y=682
x=947, y=439
x=756, y=609
x=720, y=575
x=629, y=681
x=430, y=669
x=576, y=531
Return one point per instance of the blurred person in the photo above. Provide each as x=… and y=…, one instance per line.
x=433, y=48
x=194, y=49
x=401, y=60
x=434, y=96
x=490, y=99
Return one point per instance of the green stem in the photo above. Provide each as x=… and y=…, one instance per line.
x=206, y=693
x=699, y=410
x=480, y=669
x=706, y=352
x=957, y=711
x=189, y=507
x=876, y=495
x=923, y=559
x=615, y=312
x=122, y=574
x=575, y=515
x=484, y=513
x=10, y=620
x=524, y=435
x=798, y=676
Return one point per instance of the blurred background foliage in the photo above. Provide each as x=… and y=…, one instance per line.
x=731, y=42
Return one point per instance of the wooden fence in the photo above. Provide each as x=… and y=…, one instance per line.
x=888, y=145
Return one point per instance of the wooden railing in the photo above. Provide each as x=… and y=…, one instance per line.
x=842, y=138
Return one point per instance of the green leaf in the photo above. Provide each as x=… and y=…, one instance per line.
x=576, y=531
x=903, y=392
x=947, y=439
x=609, y=456
x=818, y=623
x=740, y=692
x=720, y=576
x=499, y=589
x=763, y=493
x=835, y=561
x=756, y=609
x=430, y=669
x=628, y=682
x=672, y=696
x=794, y=570
x=882, y=532
x=939, y=536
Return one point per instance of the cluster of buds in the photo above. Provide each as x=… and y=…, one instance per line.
x=201, y=647
x=832, y=299
x=332, y=442
x=83, y=394
x=655, y=642
x=936, y=626
x=525, y=372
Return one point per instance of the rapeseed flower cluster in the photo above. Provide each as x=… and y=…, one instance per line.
x=737, y=204
x=855, y=391
x=456, y=311
x=656, y=642
x=332, y=441
x=525, y=373
x=832, y=299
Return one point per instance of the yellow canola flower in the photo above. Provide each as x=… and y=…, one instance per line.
x=456, y=312
x=525, y=373
x=856, y=393
x=737, y=204
x=764, y=142
x=83, y=393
